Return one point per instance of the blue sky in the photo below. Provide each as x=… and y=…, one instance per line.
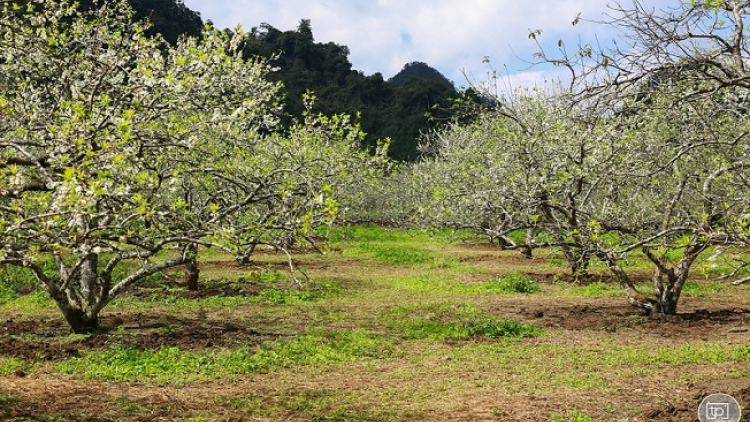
x=454, y=36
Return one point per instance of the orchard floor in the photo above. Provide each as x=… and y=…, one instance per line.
x=598, y=359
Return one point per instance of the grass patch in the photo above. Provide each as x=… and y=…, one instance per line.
x=597, y=289
x=698, y=289
x=7, y=400
x=128, y=406
x=319, y=290
x=395, y=255
x=16, y=282
x=170, y=365
x=402, y=248
x=456, y=322
x=11, y=365
x=574, y=416
x=517, y=283
x=448, y=283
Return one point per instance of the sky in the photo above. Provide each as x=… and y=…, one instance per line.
x=453, y=36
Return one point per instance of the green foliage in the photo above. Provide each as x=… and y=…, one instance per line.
x=743, y=353
x=396, y=247
x=395, y=255
x=317, y=291
x=517, y=283
x=11, y=365
x=172, y=365
x=371, y=233
x=457, y=322
x=149, y=149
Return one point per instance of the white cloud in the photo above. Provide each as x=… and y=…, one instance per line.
x=450, y=35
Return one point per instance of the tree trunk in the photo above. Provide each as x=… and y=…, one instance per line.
x=647, y=304
x=80, y=295
x=192, y=272
x=669, y=288
x=80, y=321
x=578, y=262
x=668, y=282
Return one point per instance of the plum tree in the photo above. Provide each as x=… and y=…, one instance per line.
x=120, y=154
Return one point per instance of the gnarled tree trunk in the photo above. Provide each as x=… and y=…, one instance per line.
x=669, y=281
x=192, y=272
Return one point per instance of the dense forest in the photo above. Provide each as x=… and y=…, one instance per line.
x=414, y=101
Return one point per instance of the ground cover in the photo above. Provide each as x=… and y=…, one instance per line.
x=391, y=325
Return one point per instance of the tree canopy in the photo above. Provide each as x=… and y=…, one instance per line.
x=119, y=155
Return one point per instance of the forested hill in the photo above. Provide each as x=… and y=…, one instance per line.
x=395, y=108
x=415, y=100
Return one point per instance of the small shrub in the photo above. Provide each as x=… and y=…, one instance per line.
x=517, y=283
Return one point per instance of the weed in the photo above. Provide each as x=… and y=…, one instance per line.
x=317, y=291
x=517, y=283
x=391, y=254
x=743, y=353
x=10, y=365
x=6, y=400
x=555, y=263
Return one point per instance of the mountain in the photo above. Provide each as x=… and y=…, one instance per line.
x=414, y=101
x=170, y=18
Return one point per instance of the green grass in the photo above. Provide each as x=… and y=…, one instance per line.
x=701, y=289
x=393, y=325
x=598, y=289
x=11, y=365
x=16, y=282
x=391, y=254
x=456, y=322
x=517, y=283
x=574, y=416
x=170, y=365
x=402, y=248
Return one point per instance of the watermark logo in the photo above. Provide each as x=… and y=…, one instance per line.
x=719, y=408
